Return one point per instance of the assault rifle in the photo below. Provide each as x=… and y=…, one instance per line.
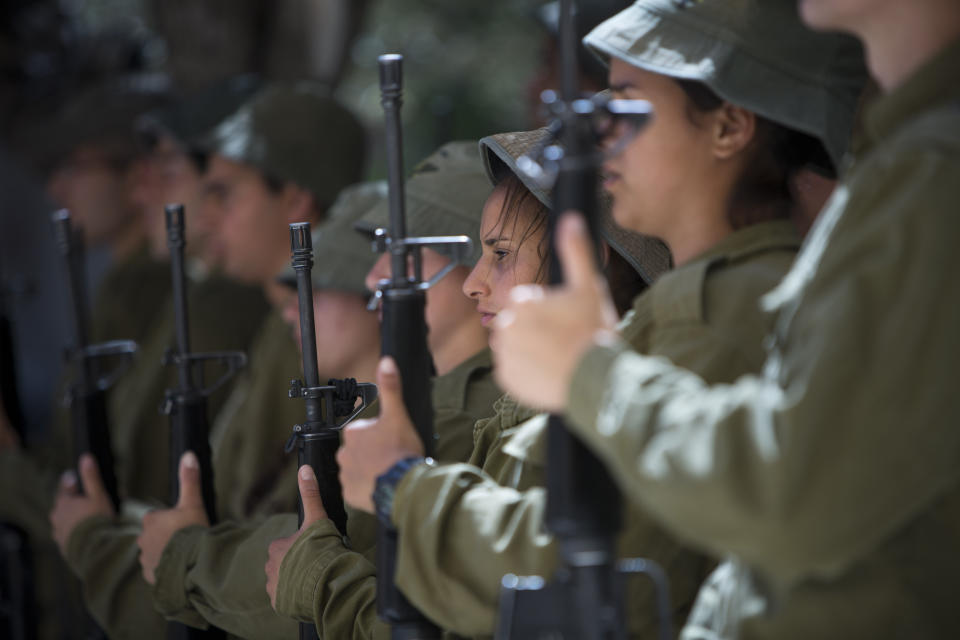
x=328, y=408
x=404, y=337
x=585, y=600
x=87, y=395
x=186, y=405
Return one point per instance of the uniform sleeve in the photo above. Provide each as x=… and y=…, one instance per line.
x=103, y=552
x=455, y=548
x=850, y=432
x=324, y=582
x=215, y=576
x=27, y=493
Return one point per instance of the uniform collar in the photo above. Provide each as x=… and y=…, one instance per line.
x=935, y=83
x=763, y=236
x=450, y=389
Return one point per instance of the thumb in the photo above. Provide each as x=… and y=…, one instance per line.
x=575, y=251
x=310, y=496
x=389, y=388
x=188, y=474
x=90, y=478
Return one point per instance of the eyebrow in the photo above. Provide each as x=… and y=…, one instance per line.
x=492, y=240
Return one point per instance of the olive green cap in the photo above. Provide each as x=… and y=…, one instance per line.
x=648, y=256
x=295, y=133
x=341, y=256
x=756, y=54
x=445, y=195
x=188, y=117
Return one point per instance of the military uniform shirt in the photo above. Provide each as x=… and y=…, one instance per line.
x=832, y=477
x=473, y=526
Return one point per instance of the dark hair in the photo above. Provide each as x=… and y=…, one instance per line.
x=516, y=197
x=763, y=191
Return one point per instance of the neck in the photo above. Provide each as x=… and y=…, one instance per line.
x=904, y=37
x=465, y=340
x=364, y=368
x=697, y=234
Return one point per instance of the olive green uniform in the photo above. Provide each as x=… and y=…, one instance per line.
x=477, y=525
x=250, y=472
x=323, y=582
x=832, y=477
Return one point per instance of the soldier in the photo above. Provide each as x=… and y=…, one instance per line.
x=217, y=575
x=266, y=168
x=829, y=480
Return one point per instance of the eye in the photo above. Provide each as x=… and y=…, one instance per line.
x=501, y=254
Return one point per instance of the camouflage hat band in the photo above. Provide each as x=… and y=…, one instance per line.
x=753, y=53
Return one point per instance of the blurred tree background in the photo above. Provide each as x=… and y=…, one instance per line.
x=466, y=70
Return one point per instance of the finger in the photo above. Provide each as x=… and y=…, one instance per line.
x=68, y=483
x=576, y=251
x=310, y=495
x=389, y=388
x=90, y=476
x=191, y=496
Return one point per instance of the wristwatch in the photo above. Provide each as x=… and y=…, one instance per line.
x=386, y=486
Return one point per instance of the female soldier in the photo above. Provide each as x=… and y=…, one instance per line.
x=715, y=184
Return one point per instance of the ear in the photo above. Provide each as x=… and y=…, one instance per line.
x=733, y=129
x=298, y=204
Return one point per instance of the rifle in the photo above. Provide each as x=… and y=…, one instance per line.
x=16, y=584
x=186, y=405
x=318, y=438
x=586, y=598
x=404, y=337
x=87, y=396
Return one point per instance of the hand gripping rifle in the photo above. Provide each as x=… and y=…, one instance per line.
x=329, y=408
x=585, y=600
x=404, y=337
x=186, y=405
x=87, y=396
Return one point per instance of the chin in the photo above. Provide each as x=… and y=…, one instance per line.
x=826, y=15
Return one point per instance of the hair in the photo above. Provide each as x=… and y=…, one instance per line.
x=763, y=191
x=516, y=197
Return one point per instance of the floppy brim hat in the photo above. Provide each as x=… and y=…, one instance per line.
x=649, y=256
x=756, y=54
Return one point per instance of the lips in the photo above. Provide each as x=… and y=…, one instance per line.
x=486, y=317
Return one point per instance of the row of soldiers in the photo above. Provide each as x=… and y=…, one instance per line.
x=775, y=409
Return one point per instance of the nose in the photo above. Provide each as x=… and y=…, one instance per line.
x=475, y=285
x=379, y=271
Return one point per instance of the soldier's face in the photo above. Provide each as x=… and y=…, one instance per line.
x=663, y=172
x=169, y=177
x=345, y=331
x=448, y=311
x=91, y=185
x=243, y=221
x=512, y=244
